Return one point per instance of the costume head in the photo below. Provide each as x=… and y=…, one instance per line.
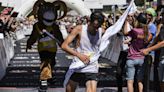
x=47, y=13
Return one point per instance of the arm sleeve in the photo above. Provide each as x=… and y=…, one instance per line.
x=33, y=37
x=152, y=29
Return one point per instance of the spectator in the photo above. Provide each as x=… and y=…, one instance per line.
x=135, y=59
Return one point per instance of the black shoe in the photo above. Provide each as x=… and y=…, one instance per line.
x=43, y=86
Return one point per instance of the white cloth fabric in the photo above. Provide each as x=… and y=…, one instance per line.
x=63, y=31
x=112, y=51
x=103, y=43
x=125, y=46
x=19, y=34
x=117, y=26
x=1, y=36
x=6, y=53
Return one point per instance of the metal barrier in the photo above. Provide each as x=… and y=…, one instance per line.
x=6, y=53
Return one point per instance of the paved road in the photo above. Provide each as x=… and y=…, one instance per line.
x=106, y=89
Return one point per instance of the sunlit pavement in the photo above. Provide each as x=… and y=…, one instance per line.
x=106, y=89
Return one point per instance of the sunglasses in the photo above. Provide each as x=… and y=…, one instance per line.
x=130, y=16
x=148, y=14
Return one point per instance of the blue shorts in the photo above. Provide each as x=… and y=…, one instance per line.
x=131, y=66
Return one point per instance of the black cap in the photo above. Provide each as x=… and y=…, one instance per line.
x=141, y=18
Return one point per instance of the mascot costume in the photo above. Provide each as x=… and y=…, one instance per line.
x=47, y=34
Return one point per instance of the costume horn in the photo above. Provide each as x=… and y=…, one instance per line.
x=61, y=7
x=36, y=7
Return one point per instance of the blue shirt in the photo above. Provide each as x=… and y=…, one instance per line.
x=152, y=29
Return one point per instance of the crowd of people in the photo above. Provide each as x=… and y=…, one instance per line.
x=16, y=28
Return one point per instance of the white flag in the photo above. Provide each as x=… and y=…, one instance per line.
x=117, y=26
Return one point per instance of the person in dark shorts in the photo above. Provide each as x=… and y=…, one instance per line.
x=88, y=41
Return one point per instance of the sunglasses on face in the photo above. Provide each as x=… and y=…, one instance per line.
x=130, y=16
x=148, y=14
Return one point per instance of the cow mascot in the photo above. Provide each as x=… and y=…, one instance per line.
x=47, y=34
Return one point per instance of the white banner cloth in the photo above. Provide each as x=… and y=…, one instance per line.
x=117, y=26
